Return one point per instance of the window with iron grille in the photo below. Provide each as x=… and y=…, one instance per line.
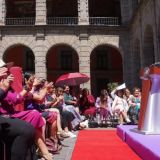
x=66, y=60
x=29, y=65
x=102, y=60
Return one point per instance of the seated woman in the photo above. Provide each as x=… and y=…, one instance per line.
x=71, y=105
x=120, y=106
x=69, y=99
x=137, y=100
x=49, y=102
x=7, y=109
x=66, y=116
x=131, y=109
x=134, y=108
x=17, y=134
x=103, y=105
x=87, y=104
x=36, y=101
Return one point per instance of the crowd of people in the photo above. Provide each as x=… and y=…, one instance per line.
x=51, y=113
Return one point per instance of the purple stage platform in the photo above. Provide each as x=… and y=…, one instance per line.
x=146, y=146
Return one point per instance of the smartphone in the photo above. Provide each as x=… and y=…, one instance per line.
x=16, y=85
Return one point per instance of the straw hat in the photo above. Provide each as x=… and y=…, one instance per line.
x=122, y=86
x=3, y=64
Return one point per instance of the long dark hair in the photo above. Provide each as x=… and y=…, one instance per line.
x=26, y=76
x=103, y=94
x=85, y=90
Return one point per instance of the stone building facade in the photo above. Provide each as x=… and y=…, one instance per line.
x=126, y=40
x=144, y=39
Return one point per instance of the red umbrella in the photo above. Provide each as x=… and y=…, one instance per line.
x=72, y=79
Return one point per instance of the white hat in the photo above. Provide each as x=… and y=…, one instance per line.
x=122, y=86
x=3, y=64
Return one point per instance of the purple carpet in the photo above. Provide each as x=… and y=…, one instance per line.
x=146, y=146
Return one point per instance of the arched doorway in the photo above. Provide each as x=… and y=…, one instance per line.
x=106, y=67
x=148, y=50
x=22, y=56
x=136, y=63
x=61, y=59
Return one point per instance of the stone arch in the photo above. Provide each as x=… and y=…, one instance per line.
x=64, y=44
x=25, y=42
x=70, y=42
x=21, y=55
x=148, y=46
x=60, y=59
x=136, y=62
x=106, y=66
x=112, y=42
x=109, y=45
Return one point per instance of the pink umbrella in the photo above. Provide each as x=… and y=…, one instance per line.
x=72, y=79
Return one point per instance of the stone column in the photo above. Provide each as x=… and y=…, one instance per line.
x=127, y=60
x=2, y=12
x=40, y=60
x=126, y=11
x=41, y=12
x=83, y=15
x=84, y=61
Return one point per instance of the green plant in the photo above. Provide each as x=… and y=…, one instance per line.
x=112, y=85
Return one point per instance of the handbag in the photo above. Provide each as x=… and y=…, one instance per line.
x=93, y=124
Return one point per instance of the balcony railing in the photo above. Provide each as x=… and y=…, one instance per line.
x=70, y=21
x=106, y=21
x=62, y=20
x=20, y=21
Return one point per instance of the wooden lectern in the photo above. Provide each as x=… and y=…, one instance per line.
x=149, y=120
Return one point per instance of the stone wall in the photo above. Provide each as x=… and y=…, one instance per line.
x=83, y=41
x=146, y=15
x=83, y=38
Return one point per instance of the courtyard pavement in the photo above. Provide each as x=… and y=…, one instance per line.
x=66, y=152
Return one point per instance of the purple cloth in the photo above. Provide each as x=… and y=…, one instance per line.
x=155, y=84
x=7, y=108
x=146, y=146
x=31, y=116
x=9, y=102
x=30, y=105
x=104, y=113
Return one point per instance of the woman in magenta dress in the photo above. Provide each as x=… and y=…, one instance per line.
x=87, y=103
x=11, y=100
x=7, y=109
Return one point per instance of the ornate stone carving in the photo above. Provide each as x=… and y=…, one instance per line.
x=41, y=12
x=40, y=34
x=2, y=12
x=83, y=12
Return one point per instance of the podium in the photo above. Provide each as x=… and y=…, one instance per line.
x=149, y=119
